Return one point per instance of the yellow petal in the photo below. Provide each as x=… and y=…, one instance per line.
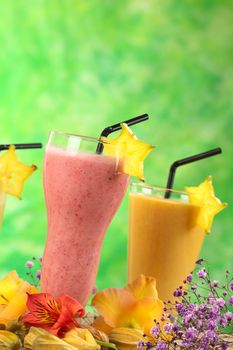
x=34, y=333
x=51, y=342
x=125, y=338
x=130, y=150
x=13, y=297
x=143, y=314
x=82, y=339
x=204, y=197
x=8, y=287
x=101, y=325
x=9, y=341
x=143, y=286
x=111, y=303
x=13, y=173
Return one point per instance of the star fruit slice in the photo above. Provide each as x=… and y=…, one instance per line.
x=204, y=196
x=13, y=173
x=130, y=151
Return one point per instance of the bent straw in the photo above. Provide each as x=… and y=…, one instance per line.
x=112, y=128
x=21, y=146
x=184, y=161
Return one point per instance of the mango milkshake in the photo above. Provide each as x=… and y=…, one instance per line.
x=164, y=239
x=166, y=235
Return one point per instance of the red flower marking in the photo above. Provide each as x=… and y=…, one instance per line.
x=56, y=315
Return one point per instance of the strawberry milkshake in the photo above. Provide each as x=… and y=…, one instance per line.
x=83, y=192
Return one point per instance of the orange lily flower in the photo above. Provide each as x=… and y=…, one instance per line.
x=56, y=315
x=135, y=306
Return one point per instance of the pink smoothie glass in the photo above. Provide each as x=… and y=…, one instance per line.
x=83, y=191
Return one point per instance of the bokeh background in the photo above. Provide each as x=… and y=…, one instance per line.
x=78, y=66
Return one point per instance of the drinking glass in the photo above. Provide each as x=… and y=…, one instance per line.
x=83, y=190
x=164, y=239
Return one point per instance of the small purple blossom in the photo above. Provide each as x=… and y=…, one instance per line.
x=140, y=344
x=29, y=264
x=199, y=261
x=211, y=325
x=194, y=287
x=161, y=345
x=178, y=293
x=201, y=273
x=220, y=302
x=38, y=275
x=189, y=278
x=94, y=290
x=155, y=331
x=231, y=301
x=33, y=271
x=228, y=316
x=167, y=328
x=231, y=286
x=191, y=333
x=214, y=284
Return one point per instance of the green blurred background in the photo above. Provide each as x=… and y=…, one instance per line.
x=78, y=66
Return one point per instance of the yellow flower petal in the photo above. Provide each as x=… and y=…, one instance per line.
x=142, y=314
x=135, y=306
x=130, y=150
x=13, y=297
x=125, y=338
x=204, y=196
x=51, y=342
x=13, y=173
x=9, y=340
x=81, y=339
x=101, y=325
x=143, y=286
x=111, y=303
x=34, y=333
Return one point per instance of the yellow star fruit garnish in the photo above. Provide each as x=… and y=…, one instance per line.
x=13, y=173
x=204, y=196
x=130, y=151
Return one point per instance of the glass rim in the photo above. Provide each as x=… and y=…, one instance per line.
x=86, y=138
x=157, y=188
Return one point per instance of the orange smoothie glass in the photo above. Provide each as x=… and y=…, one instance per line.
x=83, y=191
x=164, y=240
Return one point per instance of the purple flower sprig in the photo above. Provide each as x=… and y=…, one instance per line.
x=200, y=316
x=34, y=270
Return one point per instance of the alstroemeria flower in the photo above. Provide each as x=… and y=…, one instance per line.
x=57, y=315
x=135, y=306
x=13, y=297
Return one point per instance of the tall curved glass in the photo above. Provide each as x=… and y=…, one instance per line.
x=164, y=239
x=83, y=191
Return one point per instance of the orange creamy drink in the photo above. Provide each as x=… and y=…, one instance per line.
x=164, y=239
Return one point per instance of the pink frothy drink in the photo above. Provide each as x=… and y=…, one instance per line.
x=83, y=192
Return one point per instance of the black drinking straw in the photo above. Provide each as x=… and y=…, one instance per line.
x=184, y=161
x=21, y=146
x=112, y=128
